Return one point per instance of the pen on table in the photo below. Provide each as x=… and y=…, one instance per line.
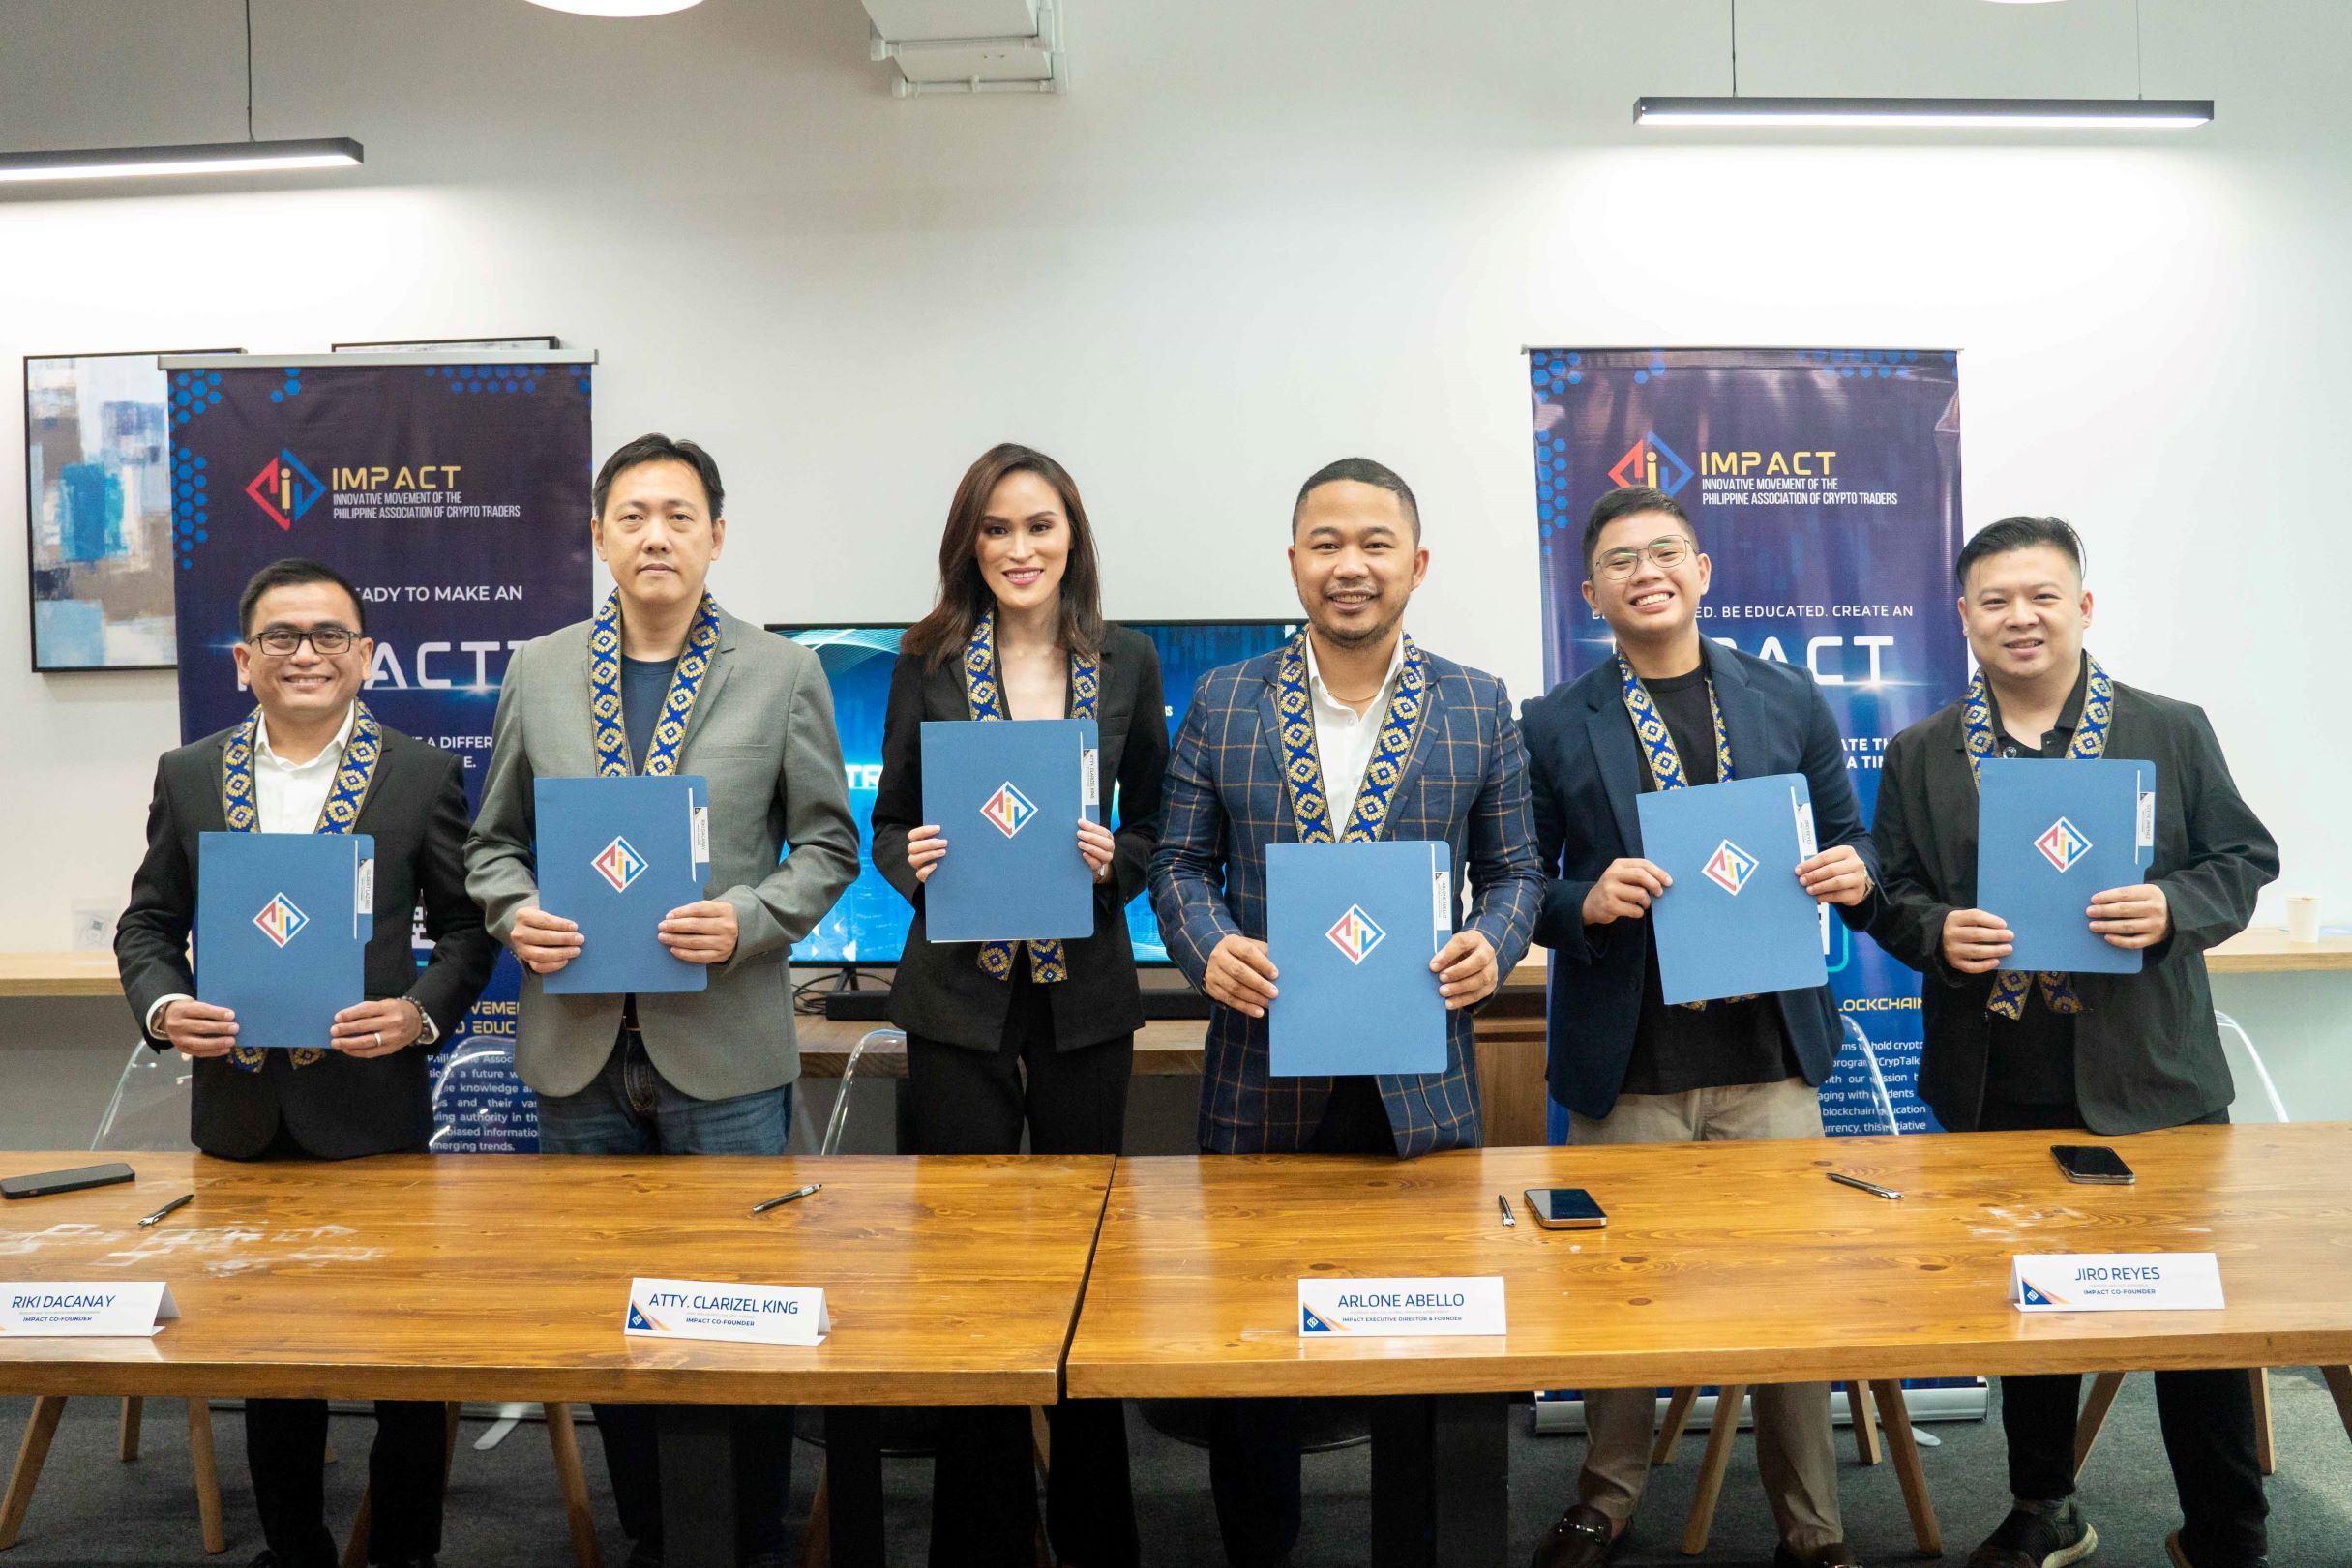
x=1505, y=1205
x=793, y=1196
x=1870, y=1186
x=179, y=1203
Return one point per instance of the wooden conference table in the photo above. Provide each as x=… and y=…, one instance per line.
x=1722, y=1262
x=489, y=1277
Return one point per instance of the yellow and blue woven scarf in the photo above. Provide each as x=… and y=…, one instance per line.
x=2010, y=986
x=1302, y=764
x=1665, y=762
x=677, y=708
x=984, y=697
x=242, y=809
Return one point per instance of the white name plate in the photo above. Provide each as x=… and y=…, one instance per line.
x=111, y=1310
x=2116, y=1281
x=708, y=1310
x=1466, y=1304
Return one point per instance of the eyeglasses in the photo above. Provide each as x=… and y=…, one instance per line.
x=1667, y=554
x=281, y=642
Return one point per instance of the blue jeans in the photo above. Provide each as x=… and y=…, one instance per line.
x=631, y=1109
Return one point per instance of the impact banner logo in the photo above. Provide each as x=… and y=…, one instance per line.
x=1008, y=809
x=1729, y=867
x=1653, y=463
x=285, y=489
x=2062, y=844
x=280, y=920
x=619, y=864
x=1355, y=934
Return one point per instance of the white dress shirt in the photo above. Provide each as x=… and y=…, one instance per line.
x=1344, y=738
x=289, y=798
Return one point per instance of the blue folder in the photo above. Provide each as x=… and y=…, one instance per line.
x=2049, y=834
x=1351, y=929
x=614, y=855
x=1007, y=796
x=283, y=923
x=1736, y=922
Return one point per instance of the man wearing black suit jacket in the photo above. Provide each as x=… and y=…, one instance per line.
x=312, y=743
x=2114, y=1052
x=1631, y=1068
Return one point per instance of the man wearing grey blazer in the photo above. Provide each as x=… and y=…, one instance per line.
x=662, y=681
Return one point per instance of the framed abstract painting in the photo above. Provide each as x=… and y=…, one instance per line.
x=101, y=483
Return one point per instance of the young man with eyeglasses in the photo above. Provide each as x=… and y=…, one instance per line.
x=312, y=758
x=2114, y=1052
x=1630, y=1067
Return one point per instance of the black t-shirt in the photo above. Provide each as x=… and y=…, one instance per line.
x=644, y=687
x=2031, y=1061
x=1677, y=1049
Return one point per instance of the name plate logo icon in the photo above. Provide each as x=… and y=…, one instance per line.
x=1355, y=934
x=619, y=864
x=1008, y=811
x=1729, y=867
x=280, y=920
x=2062, y=844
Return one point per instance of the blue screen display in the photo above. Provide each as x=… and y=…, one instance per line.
x=869, y=925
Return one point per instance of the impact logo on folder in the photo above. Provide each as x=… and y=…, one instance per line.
x=1729, y=867
x=1355, y=934
x=1008, y=811
x=2062, y=844
x=619, y=864
x=280, y=920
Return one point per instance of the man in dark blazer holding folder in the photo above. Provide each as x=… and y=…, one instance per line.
x=2114, y=1052
x=312, y=756
x=1669, y=710
x=1350, y=731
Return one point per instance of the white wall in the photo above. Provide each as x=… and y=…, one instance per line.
x=1255, y=236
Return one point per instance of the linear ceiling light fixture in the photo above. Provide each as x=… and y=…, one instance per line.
x=617, y=8
x=2137, y=113
x=188, y=157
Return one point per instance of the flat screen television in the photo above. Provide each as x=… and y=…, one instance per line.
x=868, y=927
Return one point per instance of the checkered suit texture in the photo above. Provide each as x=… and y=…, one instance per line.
x=1465, y=782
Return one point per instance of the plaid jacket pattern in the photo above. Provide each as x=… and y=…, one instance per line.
x=1465, y=782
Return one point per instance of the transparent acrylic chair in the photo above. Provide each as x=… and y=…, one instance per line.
x=1859, y=1059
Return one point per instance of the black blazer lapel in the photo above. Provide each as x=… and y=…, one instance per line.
x=1618, y=759
x=1745, y=725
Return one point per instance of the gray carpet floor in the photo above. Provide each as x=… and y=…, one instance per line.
x=503, y=1510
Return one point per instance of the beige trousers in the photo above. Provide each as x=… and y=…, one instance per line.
x=1792, y=1445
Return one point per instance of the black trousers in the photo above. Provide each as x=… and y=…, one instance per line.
x=983, y=1488
x=286, y=1447
x=1254, y=1445
x=2207, y=1418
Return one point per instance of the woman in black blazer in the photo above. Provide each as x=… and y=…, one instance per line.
x=999, y=1035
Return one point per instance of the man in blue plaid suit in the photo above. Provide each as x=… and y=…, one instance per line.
x=1350, y=731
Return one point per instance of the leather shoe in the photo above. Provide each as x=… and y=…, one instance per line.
x=1579, y=1539
x=1832, y=1555
x=2179, y=1557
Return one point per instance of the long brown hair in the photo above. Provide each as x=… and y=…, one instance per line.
x=964, y=594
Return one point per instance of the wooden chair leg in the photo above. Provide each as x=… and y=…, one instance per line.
x=573, y=1482
x=1670, y=1430
x=2339, y=1388
x=2266, y=1447
x=31, y=1454
x=816, y=1540
x=1713, y=1467
x=208, y=1475
x=126, y=1429
x=1895, y=1420
x=1866, y=1450
x=2104, y=1389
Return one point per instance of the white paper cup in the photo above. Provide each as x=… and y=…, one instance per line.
x=2302, y=917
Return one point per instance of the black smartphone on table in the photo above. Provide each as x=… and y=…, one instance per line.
x=43, y=1183
x=1564, y=1208
x=2094, y=1163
